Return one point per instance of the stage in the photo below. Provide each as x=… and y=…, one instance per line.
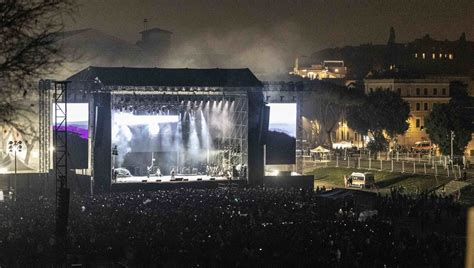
x=143, y=183
x=167, y=179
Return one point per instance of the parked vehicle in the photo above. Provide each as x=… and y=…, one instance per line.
x=361, y=180
x=422, y=147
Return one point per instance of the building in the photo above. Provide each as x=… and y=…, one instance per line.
x=423, y=55
x=92, y=47
x=421, y=95
x=155, y=42
x=328, y=69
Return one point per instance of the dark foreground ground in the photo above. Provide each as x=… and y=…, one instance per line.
x=238, y=227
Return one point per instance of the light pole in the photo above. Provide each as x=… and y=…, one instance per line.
x=13, y=147
x=452, y=139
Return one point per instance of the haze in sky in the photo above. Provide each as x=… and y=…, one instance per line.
x=275, y=31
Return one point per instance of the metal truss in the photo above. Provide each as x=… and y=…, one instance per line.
x=60, y=135
x=232, y=147
x=45, y=102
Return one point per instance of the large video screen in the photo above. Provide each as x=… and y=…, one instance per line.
x=77, y=134
x=281, y=136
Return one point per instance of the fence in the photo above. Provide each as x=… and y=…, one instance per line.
x=436, y=166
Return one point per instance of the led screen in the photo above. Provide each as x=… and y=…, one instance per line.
x=281, y=136
x=77, y=133
x=77, y=119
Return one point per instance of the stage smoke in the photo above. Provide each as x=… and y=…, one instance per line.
x=121, y=137
x=153, y=130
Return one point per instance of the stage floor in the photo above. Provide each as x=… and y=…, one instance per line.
x=161, y=179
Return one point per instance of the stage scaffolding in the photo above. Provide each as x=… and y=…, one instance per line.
x=232, y=148
x=45, y=102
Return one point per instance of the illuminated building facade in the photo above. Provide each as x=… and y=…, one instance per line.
x=421, y=95
x=329, y=69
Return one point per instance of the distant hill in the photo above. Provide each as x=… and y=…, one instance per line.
x=423, y=55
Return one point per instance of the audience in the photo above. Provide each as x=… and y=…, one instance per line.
x=237, y=227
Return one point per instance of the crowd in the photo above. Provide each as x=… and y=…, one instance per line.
x=237, y=227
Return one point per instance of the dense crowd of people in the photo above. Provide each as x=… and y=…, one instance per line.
x=237, y=227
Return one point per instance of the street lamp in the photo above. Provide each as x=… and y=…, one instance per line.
x=14, y=147
x=452, y=139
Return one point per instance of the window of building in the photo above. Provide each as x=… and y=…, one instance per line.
x=418, y=123
x=425, y=91
x=425, y=106
x=440, y=55
x=450, y=56
x=417, y=106
x=444, y=92
x=342, y=134
x=399, y=90
x=416, y=55
x=433, y=56
x=418, y=92
x=435, y=91
x=356, y=136
x=371, y=90
x=423, y=55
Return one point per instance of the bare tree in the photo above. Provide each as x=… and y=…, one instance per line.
x=28, y=51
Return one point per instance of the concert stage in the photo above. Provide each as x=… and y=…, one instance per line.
x=188, y=182
x=163, y=179
x=150, y=121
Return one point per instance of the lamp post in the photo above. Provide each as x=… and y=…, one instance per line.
x=14, y=147
x=452, y=139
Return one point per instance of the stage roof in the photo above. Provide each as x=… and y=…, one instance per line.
x=142, y=77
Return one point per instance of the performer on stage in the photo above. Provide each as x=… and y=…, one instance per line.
x=158, y=172
x=149, y=170
x=173, y=173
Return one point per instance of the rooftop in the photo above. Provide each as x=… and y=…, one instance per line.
x=184, y=77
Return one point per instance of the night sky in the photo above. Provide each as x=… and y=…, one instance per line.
x=289, y=27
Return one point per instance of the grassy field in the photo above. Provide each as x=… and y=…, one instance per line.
x=333, y=177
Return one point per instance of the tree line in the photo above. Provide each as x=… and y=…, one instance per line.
x=384, y=115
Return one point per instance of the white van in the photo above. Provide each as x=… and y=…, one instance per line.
x=361, y=180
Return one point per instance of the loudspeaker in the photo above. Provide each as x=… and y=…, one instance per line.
x=199, y=179
x=144, y=180
x=213, y=179
x=158, y=180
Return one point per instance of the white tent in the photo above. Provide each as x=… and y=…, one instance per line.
x=342, y=145
x=320, y=149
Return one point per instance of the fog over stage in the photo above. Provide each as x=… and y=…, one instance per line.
x=198, y=135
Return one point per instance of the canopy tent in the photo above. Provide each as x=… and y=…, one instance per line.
x=319, y=149
x=342, y=145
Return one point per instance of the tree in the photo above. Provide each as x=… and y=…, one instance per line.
x=28, y=51
x=454, y=116
x=382, y=113
x=330, y=103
